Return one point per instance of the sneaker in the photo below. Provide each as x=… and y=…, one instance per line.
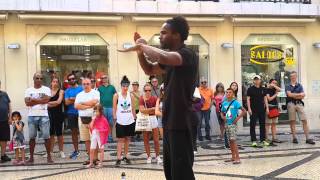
x=310, y=141
x=126, y=160
x=276, y=141
x=208, y=138
x=149, y=160
x=86, y=162
x=295, y=141
x=254, y=144
x=265, y=143
x=62, y=155
x=16, y=162
x=74, y=155
x=5, y=158
x=118, y=163
x=159, y=160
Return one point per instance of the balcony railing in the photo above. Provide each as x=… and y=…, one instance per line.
x=278, y=1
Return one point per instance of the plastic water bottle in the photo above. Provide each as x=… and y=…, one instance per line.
x=123, y=176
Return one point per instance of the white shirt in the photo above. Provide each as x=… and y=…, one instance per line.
x=124, y=110
x=84, y=97
x=39, y=109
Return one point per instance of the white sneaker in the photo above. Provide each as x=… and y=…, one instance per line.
x=159, y=160
x=149, y=160
x=62, y=155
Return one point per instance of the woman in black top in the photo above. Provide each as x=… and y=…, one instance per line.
x=272, y=93
x=56, y=115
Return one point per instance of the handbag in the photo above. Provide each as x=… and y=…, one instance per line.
x=11, y=142
x=86, y=119
x=273, y=113
x=143, y=122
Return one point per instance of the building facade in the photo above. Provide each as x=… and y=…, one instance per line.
x=234, y=40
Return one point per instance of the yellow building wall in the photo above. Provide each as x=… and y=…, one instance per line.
x=18, y=66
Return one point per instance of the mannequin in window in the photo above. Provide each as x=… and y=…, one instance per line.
x=282, y=76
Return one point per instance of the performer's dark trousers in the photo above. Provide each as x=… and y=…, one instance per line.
x=178, y=155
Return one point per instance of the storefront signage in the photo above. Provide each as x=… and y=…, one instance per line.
x=262, y=54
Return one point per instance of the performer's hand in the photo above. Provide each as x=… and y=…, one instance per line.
x=133, y=48
x=136, y=36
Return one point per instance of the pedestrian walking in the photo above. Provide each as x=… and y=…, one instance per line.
x=258, y=108
x=147, y=105
x=72, y=113
x=124, y=116
x=37, y=98
x=56, y=115
x=295, y=96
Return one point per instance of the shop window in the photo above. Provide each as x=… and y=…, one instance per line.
x=270, y=56
x=196, y=43
x=85, y=55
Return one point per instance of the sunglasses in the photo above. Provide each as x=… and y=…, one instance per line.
x=85, y=84
x=93, y=80
x=204, y=82
x=147, y=90
x=103, y=77
x=71, y=79
x=39, y=78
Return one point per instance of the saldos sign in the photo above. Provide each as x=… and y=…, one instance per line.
x=263, y=54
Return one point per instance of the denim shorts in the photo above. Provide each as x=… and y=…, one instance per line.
x=41, y=124
x=108, y=114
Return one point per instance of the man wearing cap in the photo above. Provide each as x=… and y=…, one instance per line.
x=207, y=94
x=155, y=91
x=257, y=108
x=295, y=95
x=106, y=98
x=136, y=96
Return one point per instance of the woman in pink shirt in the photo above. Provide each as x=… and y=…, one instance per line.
x=217, y=100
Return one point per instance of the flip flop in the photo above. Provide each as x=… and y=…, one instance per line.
x=236, y=162
x=229, y=160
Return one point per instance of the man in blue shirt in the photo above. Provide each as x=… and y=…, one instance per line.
x=295, y=95
x=229, y=113
x=72, y=114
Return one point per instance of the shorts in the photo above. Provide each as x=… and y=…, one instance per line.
x=109, y=115
x=4, y=131
x=271, y=120
x=160, y=125
x=41, y=123
x=95, y=140
x=56, y=124
x=73, y=121
x=220, y=120
x=84, y=131
x=231, y=131
x=293, y=109
x=123, y=131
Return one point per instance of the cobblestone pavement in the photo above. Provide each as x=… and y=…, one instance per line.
x=284, y=161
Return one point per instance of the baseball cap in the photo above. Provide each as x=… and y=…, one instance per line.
x=256, y=77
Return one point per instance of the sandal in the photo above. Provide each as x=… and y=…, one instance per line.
x=16, y=162
x=229, y=160
x=237, y=162
x=90, y=166
x=99, y=165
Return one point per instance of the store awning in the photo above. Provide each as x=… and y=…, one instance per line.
x=162, y=19
x=280, y=20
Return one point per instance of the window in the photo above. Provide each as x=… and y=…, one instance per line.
x=85, y=55
x=270, y=56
